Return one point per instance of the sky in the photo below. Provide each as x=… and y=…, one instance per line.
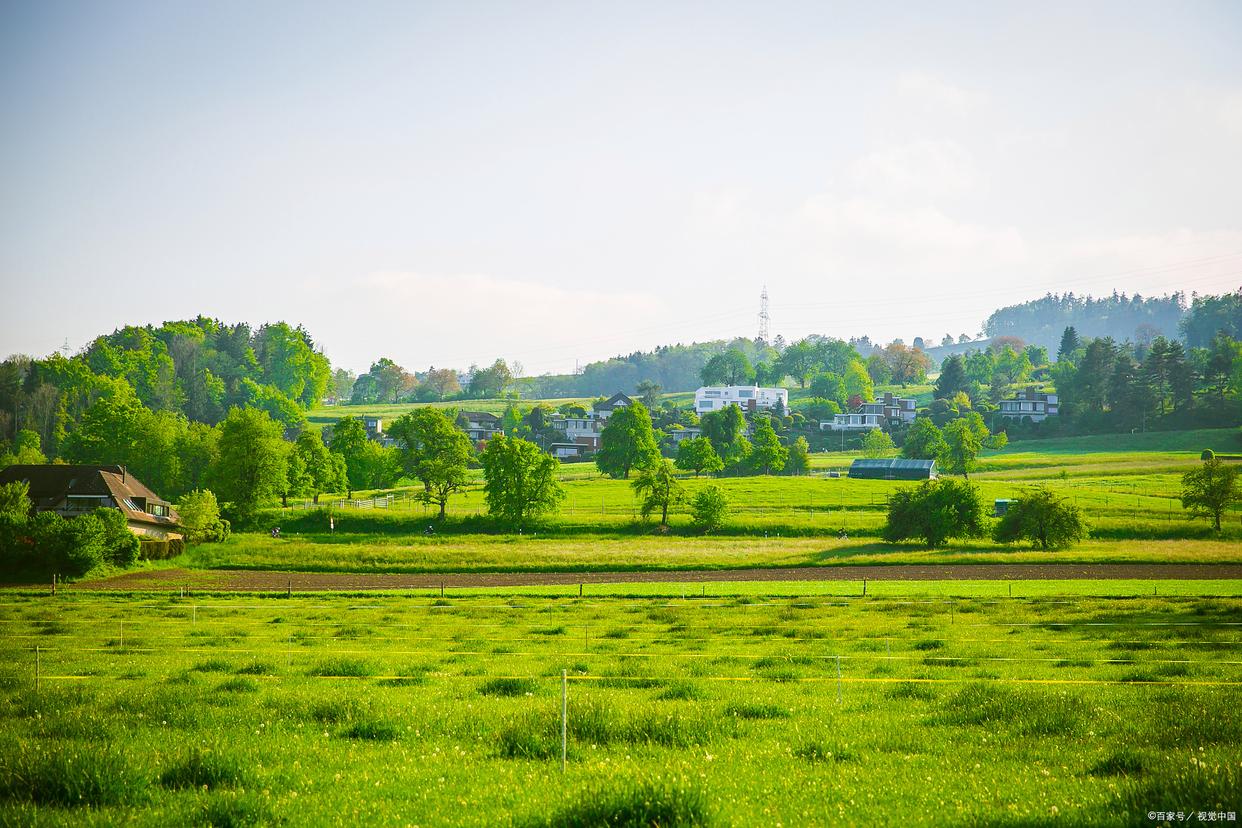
x=554, y=183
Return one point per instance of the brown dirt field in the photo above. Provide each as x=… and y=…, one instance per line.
x=254, y=581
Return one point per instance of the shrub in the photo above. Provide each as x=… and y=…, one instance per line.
x=507, y=687
x=1047, y=521
x=200, y=517
x=120, y=546
x=663, y=803
x=934, y=511
x=709, y=508
x=72, y=546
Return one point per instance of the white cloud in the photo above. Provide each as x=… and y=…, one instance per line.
x=936, y=93
x=928, y=167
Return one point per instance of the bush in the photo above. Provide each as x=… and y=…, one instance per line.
x=1207, y=454
x=120, y=546
x=709, y=508
x=200, y=517
x=70, y=547
x=1048, y=521
x=934, y=511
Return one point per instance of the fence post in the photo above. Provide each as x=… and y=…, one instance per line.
x=838, y=679
x=122, y=644
x=564, y=718
x=36, y=668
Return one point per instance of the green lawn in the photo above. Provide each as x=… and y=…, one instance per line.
x=900, y=709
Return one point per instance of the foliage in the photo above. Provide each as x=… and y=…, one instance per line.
x=767, y=455
x=200, y=518
x=697, y=455
x=729, y=368
x=386, y=381
x=521, y=481
x=964, y=438
x=657, y=487
x=1210, y=489
x=627, y=442
x=906, y=365
x=1209, y=316
x=1044, y=519
x=709, y=509
x=934, y=512
x=120, y=546
x=252, y=469
x=877, y=443
x=434, y=451
x=923, y=441
x=1042, y=321
x=799, y=456
x=322, y=470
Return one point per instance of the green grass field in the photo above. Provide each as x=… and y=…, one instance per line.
x=1129, y=495
x=900, y=709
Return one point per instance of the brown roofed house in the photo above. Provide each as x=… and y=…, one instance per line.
x=76, y=490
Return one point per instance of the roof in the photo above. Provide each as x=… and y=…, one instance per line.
x=50, y=484
x=617, y=399
x=893, y=468
x=479, y=416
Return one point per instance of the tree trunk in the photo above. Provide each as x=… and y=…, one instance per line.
x=442, y=505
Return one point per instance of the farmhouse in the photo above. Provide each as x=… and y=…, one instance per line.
x=886, y=412
x=893, y=469
x=748, y=397
x=1030, y=403
x=76, y=490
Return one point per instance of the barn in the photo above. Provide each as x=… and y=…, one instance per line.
x=893, y=469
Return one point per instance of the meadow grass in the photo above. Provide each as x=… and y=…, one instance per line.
x=741, y=710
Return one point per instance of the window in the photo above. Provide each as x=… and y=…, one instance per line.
x=705, y=404
x=745, y=394
x=129, y=504
x=711, y=394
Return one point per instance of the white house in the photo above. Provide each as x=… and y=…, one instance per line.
x=886, y=412
x=857, y=421
x=1030, y=403
x=747, y=397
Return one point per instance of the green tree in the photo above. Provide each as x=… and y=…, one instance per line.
x=627, y=442
x=1069, y=344
x=799, y=361
x=200, y=517
x=767, y=454
x=69, y=547
x=952, y=378
x=657, y=487
x=923, y=441
x=729, y=368
x=1047, y=521
x=323, y=470
x=521, y=481
x=877, y=443
x=906, y=364
x=349, y=439
x=799, y=456
x=858, y=382
x=649, y=393
x=828, y=386
x=252, y=468
x=119, y=545
x=934, y=511
x=709, y=509
x=697, y=455
x=723, y=428
x=1209, y=490
x=435, y=451
x=964, y=438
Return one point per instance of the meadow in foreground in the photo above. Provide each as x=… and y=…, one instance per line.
x=743, y=710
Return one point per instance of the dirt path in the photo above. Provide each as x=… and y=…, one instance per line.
x=244, y=580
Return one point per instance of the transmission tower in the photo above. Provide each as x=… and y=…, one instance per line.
x=763, y=315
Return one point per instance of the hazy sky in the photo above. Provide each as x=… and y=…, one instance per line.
x=448, y=183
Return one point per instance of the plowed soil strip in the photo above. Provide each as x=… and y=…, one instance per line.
x=254, y=581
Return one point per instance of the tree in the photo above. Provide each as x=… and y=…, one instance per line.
x=252, y=468
x=799, y=361
x=767, y=454
x=349, y=439
x=828, y=386
x=443, y=382
x=70, y=547
x=877, y=443
x=322, y=470
x=709, y=509
x=697, y=455
x=489, y=382
x=964, y=438
x=1209, y=490
x=878, y=370
x=435, y=451
x=729, y=368
x=923, y=441
x=952, y=378
x=934, y=511
x=658, y=488
x=858, y=382
x=119, y=545
x=799, y=457
x=520, y=480
x=1069, y=344
x=906, y=364
x=200, y=517
x=649, y=393
x=723, y=428
x=627, y=442
x=1047, y=521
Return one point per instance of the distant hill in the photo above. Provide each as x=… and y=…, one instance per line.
x=1124, y=318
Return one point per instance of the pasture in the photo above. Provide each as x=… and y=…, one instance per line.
x=912, y=707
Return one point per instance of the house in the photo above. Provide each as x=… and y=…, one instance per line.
x=569, y=451
x=77, y=490
x=605, y=409
x=676, y=435
x=1030, y=403
x=887, y=412
x=893, y=469
x=480, y=426
x=749, y=397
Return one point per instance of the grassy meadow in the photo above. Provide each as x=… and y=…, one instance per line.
x=892, y=709
x=1128, y=488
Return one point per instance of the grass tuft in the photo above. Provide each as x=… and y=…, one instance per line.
x=203, y=768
